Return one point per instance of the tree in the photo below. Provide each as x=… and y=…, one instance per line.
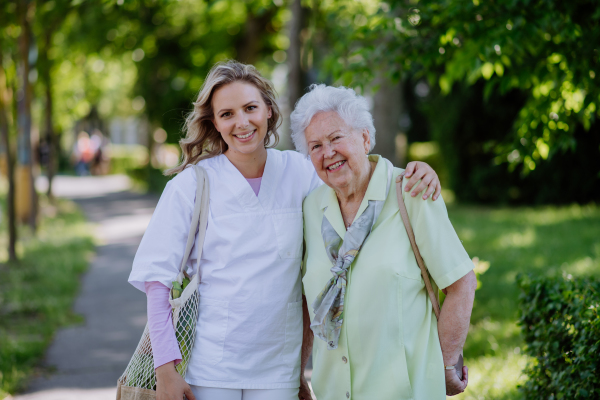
x=387, y=111
x=26, y=197
x=546, y=49
x=296, y=79
x=48, y=19
x=174, y=45
x=5, y=145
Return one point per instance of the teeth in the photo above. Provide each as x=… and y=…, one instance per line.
x=336, y=165
x=245, y=136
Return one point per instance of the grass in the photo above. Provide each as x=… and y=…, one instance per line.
x=37, y=293
x=541, y=241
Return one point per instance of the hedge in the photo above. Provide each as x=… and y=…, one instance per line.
x=559, y=319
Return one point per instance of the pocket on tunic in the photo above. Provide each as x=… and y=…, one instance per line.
x=289, y=229
x=293, y=335
x=403, y=382
x=211, y=330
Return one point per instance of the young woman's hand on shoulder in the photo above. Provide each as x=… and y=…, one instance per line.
x=170, y=385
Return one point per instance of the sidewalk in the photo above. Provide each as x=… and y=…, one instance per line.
x=85, y=361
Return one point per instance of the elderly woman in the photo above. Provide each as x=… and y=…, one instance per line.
x=377, y=336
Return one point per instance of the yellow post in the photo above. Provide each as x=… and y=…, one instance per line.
x=23, y=195
x=3, y=165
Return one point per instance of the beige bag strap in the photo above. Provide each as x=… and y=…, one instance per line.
x=199, y=217
x=411, y=236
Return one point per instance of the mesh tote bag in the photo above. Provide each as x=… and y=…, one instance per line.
x=138, y=382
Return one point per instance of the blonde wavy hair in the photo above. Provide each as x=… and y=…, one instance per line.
x=202, y=140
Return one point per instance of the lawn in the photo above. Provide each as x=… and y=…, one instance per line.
x=36, y=295
x=540, y=241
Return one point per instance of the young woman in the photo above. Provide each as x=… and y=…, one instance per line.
x=250, y=324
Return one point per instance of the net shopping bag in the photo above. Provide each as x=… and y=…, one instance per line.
x=138, y=382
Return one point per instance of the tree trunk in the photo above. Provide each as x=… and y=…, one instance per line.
x=10, y=201
x=50, y=142
x=297, y=76
x=387, y=109
x=26, y=199
x=249, y=47
x=296, y=80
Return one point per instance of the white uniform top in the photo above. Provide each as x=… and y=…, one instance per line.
x=249, y=331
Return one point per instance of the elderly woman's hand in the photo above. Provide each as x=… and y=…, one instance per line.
x=454, y=385
x=420, y=171
x=304, y=392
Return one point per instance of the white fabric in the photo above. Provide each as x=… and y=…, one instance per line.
x=209, y=393
x=249, y=328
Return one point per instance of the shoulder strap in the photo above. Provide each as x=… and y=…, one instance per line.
x=199, y=218
x=411, y=236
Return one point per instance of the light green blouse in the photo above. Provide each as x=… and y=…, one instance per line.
x=389, y=347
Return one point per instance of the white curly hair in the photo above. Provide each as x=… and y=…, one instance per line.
x=353, y=108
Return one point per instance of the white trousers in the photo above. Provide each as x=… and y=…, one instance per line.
x=208, y=393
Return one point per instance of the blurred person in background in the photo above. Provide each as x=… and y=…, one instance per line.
x=99, y=162
x=378, y=337
x=253, y=317
x=83, y=153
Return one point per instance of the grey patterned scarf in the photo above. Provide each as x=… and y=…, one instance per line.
x=329, y=304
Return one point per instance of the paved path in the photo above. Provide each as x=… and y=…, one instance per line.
x=85, y=361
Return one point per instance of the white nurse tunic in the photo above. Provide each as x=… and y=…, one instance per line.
x=249, y=331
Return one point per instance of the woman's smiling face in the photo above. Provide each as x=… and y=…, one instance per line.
x=337, y=151
x=241, y=117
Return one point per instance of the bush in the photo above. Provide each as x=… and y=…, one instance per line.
x=124, y=157
x=149, y=178
x=429, y=152
x=559, y=318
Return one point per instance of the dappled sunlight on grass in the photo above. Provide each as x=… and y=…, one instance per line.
x=583, y=266
x=494, y=377
x=517, y=239
x=486, y=336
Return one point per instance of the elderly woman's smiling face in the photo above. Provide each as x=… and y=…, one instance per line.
x=337, y=151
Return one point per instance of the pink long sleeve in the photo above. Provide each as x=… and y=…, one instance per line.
x=162, y=335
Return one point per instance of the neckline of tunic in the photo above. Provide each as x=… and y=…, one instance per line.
x=241, y=188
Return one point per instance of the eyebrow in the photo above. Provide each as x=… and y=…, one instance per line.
x=245, y=105
x=336, y=131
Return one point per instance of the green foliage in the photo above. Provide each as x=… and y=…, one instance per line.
x=172, y=45
x=561, y=326
x=430, y=153
x=36, y=295
x=149, y=178
x=126, y=157
x=135, y=58
x=545, y=49
x=466, y=129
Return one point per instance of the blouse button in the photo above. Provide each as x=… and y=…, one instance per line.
x=344, y=359
x=348, y=395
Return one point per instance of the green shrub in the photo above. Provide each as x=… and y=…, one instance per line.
x=124, y=157
x=149, y=178
x=559, y=318
x=430, y=153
